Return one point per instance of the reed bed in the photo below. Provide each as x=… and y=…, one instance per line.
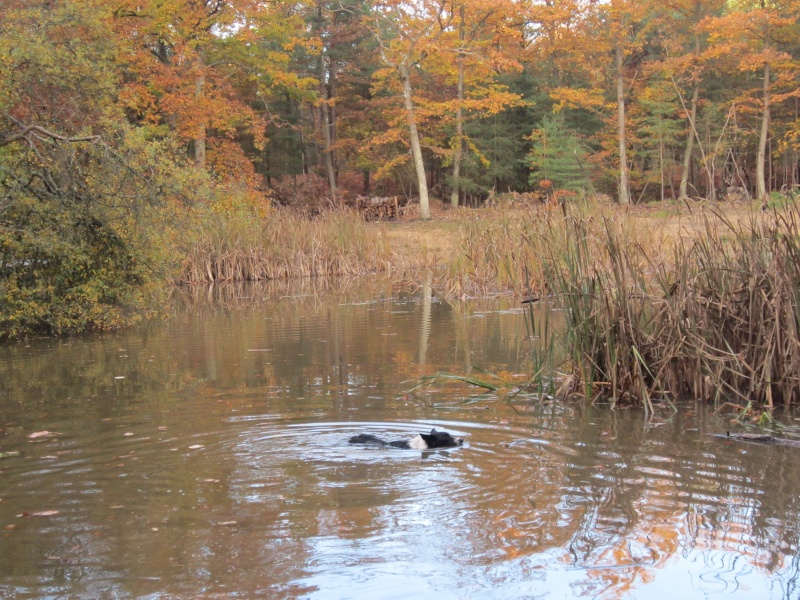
x=309, y=295
x=513, y=250
x=652, y=312
x=281, y=245
x=716, y=316
x=710, y=310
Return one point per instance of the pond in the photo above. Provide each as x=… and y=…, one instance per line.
x=208, y=456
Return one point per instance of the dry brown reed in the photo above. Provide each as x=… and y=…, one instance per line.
x=510, y=250
x=716, y=318
x=281, y=245
x=309, y=295
x=708, y=310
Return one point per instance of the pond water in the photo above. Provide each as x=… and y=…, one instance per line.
x=207, y=457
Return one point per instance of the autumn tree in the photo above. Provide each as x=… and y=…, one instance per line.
x=323, y=17
x=594, y=45
x=485, y=42
x=758, y=34
x=358, y=107
x=682, y=64
x=406, y=34
x=200, y=68
x=623, y=22
x=84, y=225
x=341, y=63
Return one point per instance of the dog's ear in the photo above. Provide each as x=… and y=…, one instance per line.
x=433, y=432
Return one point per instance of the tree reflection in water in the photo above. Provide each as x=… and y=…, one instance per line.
x=208, y=456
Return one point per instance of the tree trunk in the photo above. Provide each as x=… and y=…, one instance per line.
x=199, y=91
x=325, y=84
x=326, y=128
x=416, y=150
x=761, y=158
x=687, y=153
x=707, y=163
x=459, y=146
x=624, y=192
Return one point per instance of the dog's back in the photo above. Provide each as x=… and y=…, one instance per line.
x=423, y=441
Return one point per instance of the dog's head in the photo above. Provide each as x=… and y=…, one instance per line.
x=440, y=439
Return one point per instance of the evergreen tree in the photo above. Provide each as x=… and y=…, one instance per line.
x=557, y=157
x=659, y=131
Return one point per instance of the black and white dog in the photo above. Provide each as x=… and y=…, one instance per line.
x=423, y=441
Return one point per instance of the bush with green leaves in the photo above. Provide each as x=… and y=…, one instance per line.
x=85, y=232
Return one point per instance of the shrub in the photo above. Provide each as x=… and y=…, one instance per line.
x=84, y=233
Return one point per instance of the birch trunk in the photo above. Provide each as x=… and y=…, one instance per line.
x=327, y=125
x=624, y=192
x=761, y=158
x=416, y=150
x=459, y=149
x=200, y=138
x=325, y=85
x=687, y=153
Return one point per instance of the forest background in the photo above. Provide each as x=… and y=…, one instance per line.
x=135, y=134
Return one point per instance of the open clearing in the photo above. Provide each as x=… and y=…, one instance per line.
x=434, y=241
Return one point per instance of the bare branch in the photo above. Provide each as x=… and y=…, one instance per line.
x=23, y=135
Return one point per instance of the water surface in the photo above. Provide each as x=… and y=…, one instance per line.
x=208, y=457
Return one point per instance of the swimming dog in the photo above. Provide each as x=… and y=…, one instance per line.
x=423, y=441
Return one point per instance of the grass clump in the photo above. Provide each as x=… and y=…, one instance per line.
x=716, y=318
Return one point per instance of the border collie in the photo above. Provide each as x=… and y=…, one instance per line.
x=423, y=441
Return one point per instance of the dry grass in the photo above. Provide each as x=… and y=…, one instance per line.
x=713, y=315
x=488, y=251
x=683, y=300
x=680, y=300
x=282, y=245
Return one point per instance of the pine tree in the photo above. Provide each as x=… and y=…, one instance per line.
x=557, y=157
x=659, y=131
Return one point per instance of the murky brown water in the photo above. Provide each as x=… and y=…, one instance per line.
x=208, y=457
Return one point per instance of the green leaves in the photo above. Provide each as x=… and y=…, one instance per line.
x=557, y=157
x=84, y=236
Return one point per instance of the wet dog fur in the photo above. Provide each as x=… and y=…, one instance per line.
x=423, y=441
